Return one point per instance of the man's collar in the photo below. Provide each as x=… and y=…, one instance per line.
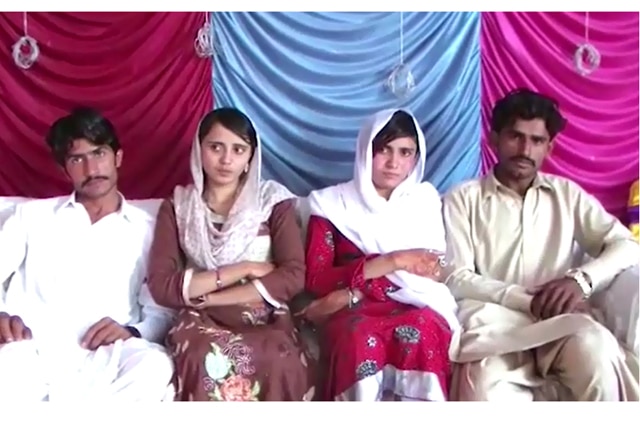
x=127, y=211
x=491, y=186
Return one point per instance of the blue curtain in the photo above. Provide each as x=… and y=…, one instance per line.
x=307, y=81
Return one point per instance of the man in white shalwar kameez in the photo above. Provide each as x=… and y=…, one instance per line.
x=77, y=321
x=523, y=304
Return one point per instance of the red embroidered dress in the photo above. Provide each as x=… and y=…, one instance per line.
x=380, y=345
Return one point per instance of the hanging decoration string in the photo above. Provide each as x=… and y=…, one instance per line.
x=25, y=51
x=401, y=82
x=204, y=43
x=586, y=59
x=401, y=38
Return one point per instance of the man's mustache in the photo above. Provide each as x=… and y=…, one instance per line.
x=523, y=158
x=93, y=178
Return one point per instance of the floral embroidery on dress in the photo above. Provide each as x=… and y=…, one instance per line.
x=366, y=369
x=256, y=315
x=228, y=366
x=407, y=334
x=371, y=341
x=328, y=239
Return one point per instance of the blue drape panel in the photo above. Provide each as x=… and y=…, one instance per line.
x=307, y=80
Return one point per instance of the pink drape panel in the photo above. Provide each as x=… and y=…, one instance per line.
x=139, y=69
x=599, y=148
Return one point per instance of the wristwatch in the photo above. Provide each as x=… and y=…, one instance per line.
x=582, y=279
x=133, y=331
x=353, y=299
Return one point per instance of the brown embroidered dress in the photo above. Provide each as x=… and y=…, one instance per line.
x=242, y=352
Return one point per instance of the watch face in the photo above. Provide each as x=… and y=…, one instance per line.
x=574, y=274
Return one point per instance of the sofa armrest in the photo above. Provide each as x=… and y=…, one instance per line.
x=618, y=303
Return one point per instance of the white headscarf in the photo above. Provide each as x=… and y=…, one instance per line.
x=204, y=245
x=410, y=219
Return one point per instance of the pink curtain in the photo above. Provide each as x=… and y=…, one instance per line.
x=599, y=148
x=140, y=69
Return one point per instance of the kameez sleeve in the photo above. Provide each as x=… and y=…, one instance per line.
x=325, y=276
x=287, y=278
x=13, y=248
x=166, y=261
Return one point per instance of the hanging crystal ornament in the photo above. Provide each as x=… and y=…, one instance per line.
x=204, y=43
x=25, y=51
x=401, y=81
x=586, y=58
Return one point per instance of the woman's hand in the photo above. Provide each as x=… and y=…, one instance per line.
x=421, y=262
x=321, y=309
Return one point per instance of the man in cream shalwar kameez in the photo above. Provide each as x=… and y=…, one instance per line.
x=77, y=321
x=505, y=245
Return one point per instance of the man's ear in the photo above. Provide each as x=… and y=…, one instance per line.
x=119, y=156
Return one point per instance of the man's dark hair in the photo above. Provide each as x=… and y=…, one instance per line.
x=525, y=104
x=83, y=123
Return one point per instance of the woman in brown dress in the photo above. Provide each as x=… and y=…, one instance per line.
x=228, y=255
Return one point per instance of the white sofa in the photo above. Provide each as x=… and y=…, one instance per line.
x=619, y=301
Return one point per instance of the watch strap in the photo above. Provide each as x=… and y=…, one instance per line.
x=581, y=279
x=133, y=331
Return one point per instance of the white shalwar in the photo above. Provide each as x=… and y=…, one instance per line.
x=66, y=275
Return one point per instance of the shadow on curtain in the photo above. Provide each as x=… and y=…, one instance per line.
x=308, y=80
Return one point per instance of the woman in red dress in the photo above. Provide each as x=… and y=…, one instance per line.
x=375, y=250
